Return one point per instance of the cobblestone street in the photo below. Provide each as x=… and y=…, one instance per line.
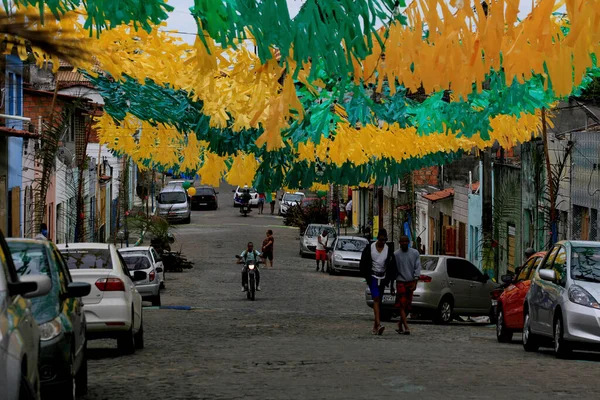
x=307, y=336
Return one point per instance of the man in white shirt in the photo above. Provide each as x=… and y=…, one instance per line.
x=377, y=265
x=349, y=211
x=321, y=253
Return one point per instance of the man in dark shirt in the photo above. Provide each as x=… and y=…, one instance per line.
x=267, y=249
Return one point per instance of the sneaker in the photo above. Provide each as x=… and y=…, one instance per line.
x=244, y=289
x=258, y=289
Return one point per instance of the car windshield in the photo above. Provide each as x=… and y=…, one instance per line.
x=135, y=263
x=251, y=190
x=585, y=264
x=316, y=230
x=31, y=259
x=356, y=245
x=292, y=197
x=429, y=263
x=172, y=198
x=87, y=258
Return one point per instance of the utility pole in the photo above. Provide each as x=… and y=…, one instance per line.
x=487, y=219
x=551, y=188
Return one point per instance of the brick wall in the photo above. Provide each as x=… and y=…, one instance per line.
x=427, y=176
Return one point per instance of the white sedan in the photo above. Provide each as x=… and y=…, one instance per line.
x=113, y=309
x=151, y=253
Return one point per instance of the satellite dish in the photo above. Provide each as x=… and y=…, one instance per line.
x=65, y=156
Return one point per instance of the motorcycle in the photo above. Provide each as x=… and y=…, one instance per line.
x=245, y=209
x=251, y=277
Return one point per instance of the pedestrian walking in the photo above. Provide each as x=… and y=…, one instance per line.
x=378, y=267
x=420, y=247
x=43, y=234
x=273, y=199
x=267, y=249
x=349, y=211
x=408, y=270
x=321, y=253
x=261, y=202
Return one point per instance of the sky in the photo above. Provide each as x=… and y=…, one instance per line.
x=182, y=21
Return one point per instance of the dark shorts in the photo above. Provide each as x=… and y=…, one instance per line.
x=268, y=255
x=404, y=294
x=377, y=288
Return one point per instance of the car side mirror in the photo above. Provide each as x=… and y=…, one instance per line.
x=548, y=275
x=216, y=192
x=506, y=278
x=30, y=286
x=139, y=276
x=159, y=270
x=156, y=197
x=78, y=289
x=485, y=278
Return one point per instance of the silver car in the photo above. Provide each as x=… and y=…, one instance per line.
x=448, y=286
x=149, y=288
x=561, y=307
x=345, y=254
x=174, y=204
x=308, y=240
x=19, y=333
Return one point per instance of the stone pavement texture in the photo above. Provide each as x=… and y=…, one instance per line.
x=307, y=336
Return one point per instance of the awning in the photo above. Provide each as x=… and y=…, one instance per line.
x=440, y=195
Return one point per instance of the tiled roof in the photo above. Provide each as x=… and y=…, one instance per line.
x=440, y=195
x=17, y=133
x=70, y=76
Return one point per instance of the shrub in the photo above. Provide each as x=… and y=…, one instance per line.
x=302, y=215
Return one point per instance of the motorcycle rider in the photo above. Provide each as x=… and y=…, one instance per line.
x=246, y=195
x=250, y=255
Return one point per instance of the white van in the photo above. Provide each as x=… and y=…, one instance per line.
x=174, y=204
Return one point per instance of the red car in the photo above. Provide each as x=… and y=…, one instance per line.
x=510, y=303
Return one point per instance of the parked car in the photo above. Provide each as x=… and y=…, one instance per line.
x=237, y=197
x=205, y=197
x=174, y=204
x=19, y=334
x=345, y=254
x=149, y=288
x=113, y=309
x=448, y=286
x=151, y=253
x=307, y=201
x=59, y=314
x=561, y=307
x=509, y=309
x=175, y=183
x=289, y=200
x=308, y=240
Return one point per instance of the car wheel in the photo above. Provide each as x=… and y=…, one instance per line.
x=26, y=391
x=156, y=301
x=503, y=334
x=493, y=317
x=81, y=379
x=188, y=219
x=444, y=311
x=126, y=341
x=561, y=346
x=531, y=342
x=139, y=337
